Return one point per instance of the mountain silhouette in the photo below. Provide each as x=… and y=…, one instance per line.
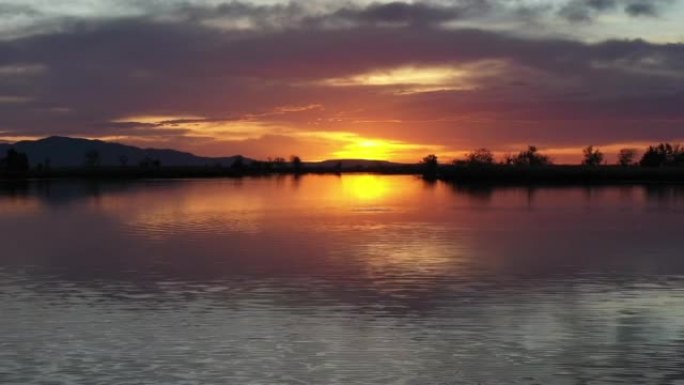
x=71, y=152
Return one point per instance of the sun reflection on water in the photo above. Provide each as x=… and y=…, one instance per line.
x=366, y=187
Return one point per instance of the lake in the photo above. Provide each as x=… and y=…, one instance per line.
x=353, y=279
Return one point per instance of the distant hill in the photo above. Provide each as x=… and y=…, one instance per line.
x=353, y=163
x=71, y=152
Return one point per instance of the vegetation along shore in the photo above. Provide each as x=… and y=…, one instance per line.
x=662, y=163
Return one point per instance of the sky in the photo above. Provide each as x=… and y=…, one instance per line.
x=345, y=79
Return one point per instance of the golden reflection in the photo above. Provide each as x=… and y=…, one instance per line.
x=161, y=210
x=366, y=187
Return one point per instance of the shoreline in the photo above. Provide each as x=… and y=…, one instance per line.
x=494, y=175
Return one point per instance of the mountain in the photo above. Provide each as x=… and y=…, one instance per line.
x=71, y=152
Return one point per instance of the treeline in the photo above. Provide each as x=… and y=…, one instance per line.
x=662, y=163
x=17, y=164
x=661, y=155
x=277, y=164
x=14, y=163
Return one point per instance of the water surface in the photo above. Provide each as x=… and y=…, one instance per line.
x=357, y=279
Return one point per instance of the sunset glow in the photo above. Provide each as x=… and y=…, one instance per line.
x=381, y=80
x=376, y=149
x=355, y=192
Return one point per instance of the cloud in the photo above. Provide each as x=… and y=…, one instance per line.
x=402, y=13
x=397, y=71
x=32, y=17
x=588, y=10
x=9, y=10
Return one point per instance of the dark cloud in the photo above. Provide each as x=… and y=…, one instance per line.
x=587, y=10
x=642, y=9
x=293, y=14
x=411, y=13
x=260, y=16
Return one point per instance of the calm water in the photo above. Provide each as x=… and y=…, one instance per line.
x=339, y=280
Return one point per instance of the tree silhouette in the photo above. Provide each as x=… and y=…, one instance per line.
x=15, y=161
x=296, y=163
x=480, y=157
x=277, y=163
x=626, y=157
x=430, y=165
x=123, y=160
x=530, y=157
x=592, y=157
x=431, y=160
x=664, y=154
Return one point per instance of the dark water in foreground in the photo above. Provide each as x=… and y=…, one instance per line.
x=352, y=280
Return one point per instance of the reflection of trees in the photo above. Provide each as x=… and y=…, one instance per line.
x=592, y=192
x=63, y=192
x=484, y=193
x=478, y=192
x=429, y=183
x=664, y=194
x=14, y=188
